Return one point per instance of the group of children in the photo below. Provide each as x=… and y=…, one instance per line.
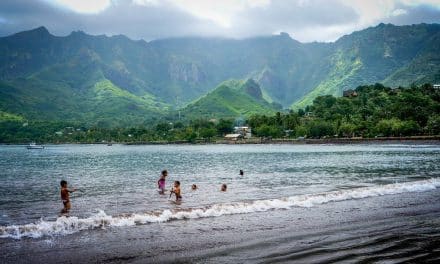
x=176, y=188
x=65, y=191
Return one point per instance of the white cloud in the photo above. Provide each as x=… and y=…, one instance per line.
x=304, y=20
x=399, y=12
x=220, y=12
x=146, y=2
x=326, y=33
x=372, y=12
x=83, y=6
x=434, y=3
x=258, y=3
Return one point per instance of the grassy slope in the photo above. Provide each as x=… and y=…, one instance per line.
x=229, y=99
x=106, y=100
x=425, y=68
x=102, y=102
x=343, y=69
x=387, y=54
x=77, y=90
x=4, y=116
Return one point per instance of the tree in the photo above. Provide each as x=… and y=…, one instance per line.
x=322, y=104
x=190, y=134
x=433, y=125
x=224, y=126
x=163, y=127
x=268, y=131
x=385, y=127
x=207, y=132
x=347, y=129
x=301, y=131
x=291, y=121
x=344, y=108
x=318, y=129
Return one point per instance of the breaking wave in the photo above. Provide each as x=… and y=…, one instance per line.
x=69, y=225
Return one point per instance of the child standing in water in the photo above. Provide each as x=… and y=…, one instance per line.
x=65, y=196
x=161, y=181
x=176, y=191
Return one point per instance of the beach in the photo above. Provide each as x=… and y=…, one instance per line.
x=325, y=204
x=396, y=228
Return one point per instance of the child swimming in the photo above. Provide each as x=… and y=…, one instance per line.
x=224, y=187
x=176, y=191
x=194, y=187
x=161, y=181
x=65, y=196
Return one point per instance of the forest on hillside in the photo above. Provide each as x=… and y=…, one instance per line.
x=368, y=111
x=115, y=81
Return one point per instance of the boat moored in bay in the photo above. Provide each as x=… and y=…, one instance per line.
x=34, y=145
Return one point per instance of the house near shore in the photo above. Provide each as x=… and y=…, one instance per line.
x=288, y=132
x=349, y=93
x=233, y=137
x=245, y=131
x=397, y=90
x=436, y=86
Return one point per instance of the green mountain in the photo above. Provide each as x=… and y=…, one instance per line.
x=393, y=55
x=231, y=99
x=115, y=80
x=52, y=78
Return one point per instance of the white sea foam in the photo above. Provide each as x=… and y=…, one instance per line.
x=68, y=225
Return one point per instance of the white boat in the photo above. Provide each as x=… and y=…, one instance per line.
x=34, y=145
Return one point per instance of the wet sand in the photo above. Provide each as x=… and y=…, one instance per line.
x=390, y=228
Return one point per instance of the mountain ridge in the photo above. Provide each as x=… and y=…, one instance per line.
x=230, y=99
x=171, y=73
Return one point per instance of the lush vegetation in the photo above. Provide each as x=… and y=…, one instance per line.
x=114, y=81
x=385, y=54
x=229, y=100
x=371, y=111
x=14, y=131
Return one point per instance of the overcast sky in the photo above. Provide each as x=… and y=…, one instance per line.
x=314, y=20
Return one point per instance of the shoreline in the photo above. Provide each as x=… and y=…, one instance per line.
x=346, y=229
x=430, y=140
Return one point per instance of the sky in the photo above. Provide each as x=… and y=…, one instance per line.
x=303, y=20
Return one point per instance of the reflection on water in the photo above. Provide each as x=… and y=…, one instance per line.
x=122, y=179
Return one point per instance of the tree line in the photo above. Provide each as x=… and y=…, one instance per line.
x=368, y=111
x=71, y=132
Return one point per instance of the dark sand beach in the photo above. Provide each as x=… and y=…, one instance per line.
x=392, y=229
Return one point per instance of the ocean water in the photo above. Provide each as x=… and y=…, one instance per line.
x=320, y=187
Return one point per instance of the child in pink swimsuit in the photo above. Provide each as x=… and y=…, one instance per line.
x=161, y=182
